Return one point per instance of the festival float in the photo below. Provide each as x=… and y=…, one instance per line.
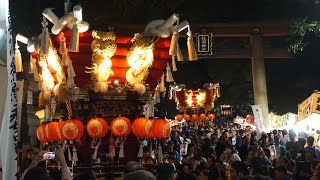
x=195, y=105
x=93, y=86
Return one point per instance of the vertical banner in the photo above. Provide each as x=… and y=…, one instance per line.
x=20, y=86
x=258, y=118
x=8, y=134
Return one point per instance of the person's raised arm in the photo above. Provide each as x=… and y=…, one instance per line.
x=66, y=174
x=36, y=160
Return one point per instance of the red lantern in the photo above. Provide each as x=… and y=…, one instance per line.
x=52, y=131
x=97, y=128
x=71, y=130
x=195, y=117
x=211, y=116
x=187, y=117
x=151, y=128
x=179, y=117
x=161, y=129
x=141, y=127
x=41, y=133
x=121, y=127
x=203, y=116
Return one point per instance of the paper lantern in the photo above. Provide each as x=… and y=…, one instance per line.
x=71, y=130
x=203, y=116
x=52, y=131
x=211, y=116
x=121, y=127
x=151, y=128
x=179, y=117
x=187, y=117
x=97, y=128
x=141, y=127
x=195, y=117
x=161, y=129
x=41, y=135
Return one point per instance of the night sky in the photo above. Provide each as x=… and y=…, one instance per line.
x=289, y=81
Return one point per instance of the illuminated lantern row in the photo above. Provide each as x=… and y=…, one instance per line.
x=195, y=117
x=69, y=130
x=72, y=130
x=156, y=128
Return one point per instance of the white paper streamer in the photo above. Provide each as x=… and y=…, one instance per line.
x=121, y=151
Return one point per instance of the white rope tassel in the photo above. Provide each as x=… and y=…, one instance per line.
x=96, y=148
x=157, y=95
x=121, y=151
x=151, y=150
x=69, y=154
x=160, y=157
x=71, y=75
x=17, y=56
x=169, y=77
x=33, y=68
x=53, y=105
x=112, y=149
x=173, y=64
x=140, y=153
x=44, y=48
x=151, y=106
x=162, y=85
x=47, y=113
x=74, y=154
x=63, y=50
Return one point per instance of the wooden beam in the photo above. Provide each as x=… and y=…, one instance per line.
x=243, y=53
x=225, y=29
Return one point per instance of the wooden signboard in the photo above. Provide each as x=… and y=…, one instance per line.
x=204, y=44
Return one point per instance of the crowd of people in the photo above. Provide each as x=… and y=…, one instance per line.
x=222, y=152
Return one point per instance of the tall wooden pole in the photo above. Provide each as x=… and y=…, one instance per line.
x=259, y=76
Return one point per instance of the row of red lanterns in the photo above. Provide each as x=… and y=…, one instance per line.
x=72, y=130
x=121, y=127
x=195, y=117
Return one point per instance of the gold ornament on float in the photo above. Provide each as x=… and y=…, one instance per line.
x=103, y=48
x=140, y=59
